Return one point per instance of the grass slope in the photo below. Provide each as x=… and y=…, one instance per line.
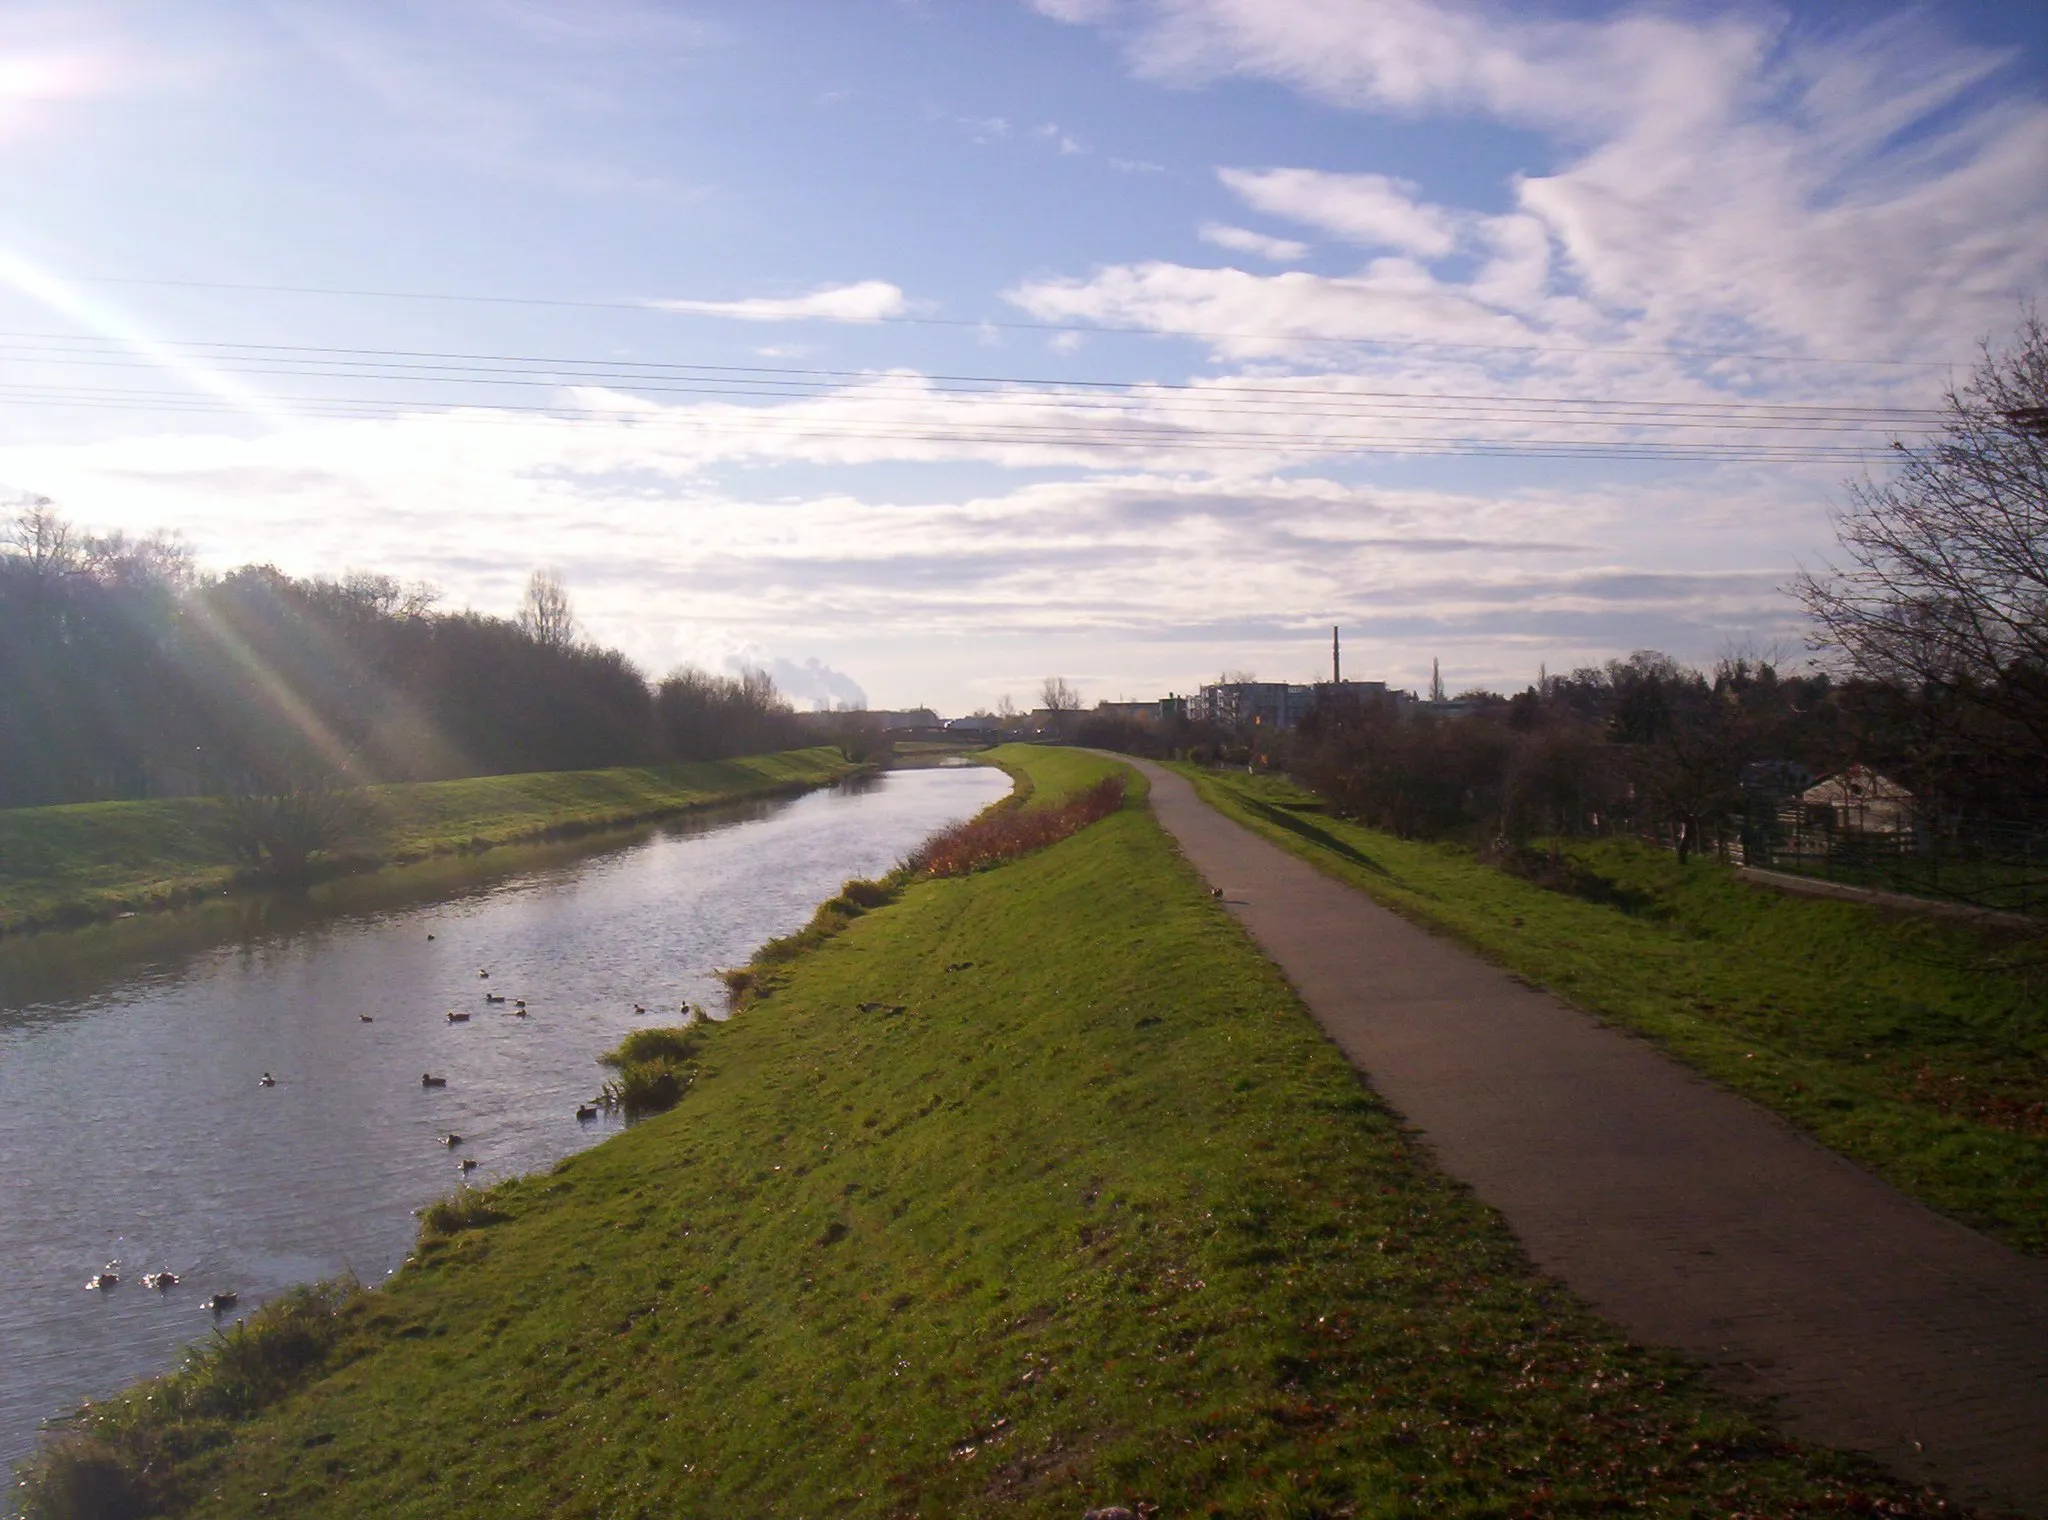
x=1880, y=1034
x=67, y=864
x=1098, y=1217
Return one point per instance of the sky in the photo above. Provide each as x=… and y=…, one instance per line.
x=916, y=352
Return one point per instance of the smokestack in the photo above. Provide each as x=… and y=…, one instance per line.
x=1336, y=660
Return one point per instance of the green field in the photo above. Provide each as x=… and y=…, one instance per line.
x=88, y=860
x=1891, y=1038
x=1080, y=1208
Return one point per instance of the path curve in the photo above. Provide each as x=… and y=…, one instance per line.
x=1688, y=1216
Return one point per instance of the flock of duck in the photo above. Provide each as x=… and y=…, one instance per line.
x=109, y=1276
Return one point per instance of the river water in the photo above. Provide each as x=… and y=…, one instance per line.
x=134, y=1128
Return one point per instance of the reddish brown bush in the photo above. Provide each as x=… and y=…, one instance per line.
x=1010, y=832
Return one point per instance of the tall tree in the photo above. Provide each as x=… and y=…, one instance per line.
x=1943, y=588
x=545, y=612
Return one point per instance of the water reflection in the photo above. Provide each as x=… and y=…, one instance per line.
x=133, y=1126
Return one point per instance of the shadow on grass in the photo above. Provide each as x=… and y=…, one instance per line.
x=1294, y=823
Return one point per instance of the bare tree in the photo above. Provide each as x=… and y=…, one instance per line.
x=387, y=596
x=1945, y=585
x=1061, y=700
x=545, y=612
x=44, y=542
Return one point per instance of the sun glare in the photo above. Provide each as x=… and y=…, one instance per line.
x=47, y=289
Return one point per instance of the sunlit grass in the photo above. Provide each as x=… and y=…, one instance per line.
x=86, y=860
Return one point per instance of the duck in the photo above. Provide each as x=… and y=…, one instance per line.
x=160, y=1280
x=637, y=1008
x=266, y=1080
x=484, y=973
x=457, y=1018
x=427, y=1079
x=494, y=997
x=469, y=1164
x=451, y=1140
x=367, y=1018
x=220, y=1303
x=518, y=1010
x=585, y=1111
x=430, y=936
x=519, y=1002
x=107, y=1277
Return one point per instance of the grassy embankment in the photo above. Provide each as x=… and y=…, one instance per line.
x=1028, y=1190
x=70, y=864
x=1883, y=1035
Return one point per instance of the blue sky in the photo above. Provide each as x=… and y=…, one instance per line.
x=924, y=350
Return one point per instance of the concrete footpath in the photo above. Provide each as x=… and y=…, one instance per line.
x=1688, y=1216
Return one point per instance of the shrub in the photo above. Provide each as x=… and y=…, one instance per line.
x=465, y=1209
x=655, y=1068
x=676, y=1045
x=259, y=1360
x=117, y=1460
x=82, y=1477
x=1006, y=833
x=866, y=894
x=647, y=1087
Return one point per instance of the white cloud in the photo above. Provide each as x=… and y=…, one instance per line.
x=1051, y=132
x=1075, y=10
x=1418, y=56
x=1373, y=210
x=1718, y=182
x=1249, y=314
x=808, y=683
x=1258, y=244
x=865, y=301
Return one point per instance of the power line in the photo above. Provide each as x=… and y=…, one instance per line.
x=398, y=364
x=656, y=307
x=1804, y=420
x=1263, y=417
x=1155, y=439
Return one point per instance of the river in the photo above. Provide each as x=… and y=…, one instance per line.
x=135, y=1129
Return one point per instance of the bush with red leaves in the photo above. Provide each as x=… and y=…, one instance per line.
x=1010, y=832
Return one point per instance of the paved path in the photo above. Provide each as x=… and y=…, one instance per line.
x=1686, y=1215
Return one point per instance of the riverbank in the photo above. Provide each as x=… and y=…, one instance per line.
x=73, y=864
x=1893, y=1039
x=1031, y=1190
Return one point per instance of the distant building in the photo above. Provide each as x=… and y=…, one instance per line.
x=1252, y=704
x=1136, y=712
x=975, y=723
x=1279, y=705
x=1859, y=801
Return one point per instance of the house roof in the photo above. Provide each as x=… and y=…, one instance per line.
x=1855, y=786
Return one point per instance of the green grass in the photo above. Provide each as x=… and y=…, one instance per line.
x=1079, y=1209
x=1883, y=1035
x=89, y=860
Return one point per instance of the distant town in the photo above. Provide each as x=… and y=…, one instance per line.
x=1232, y=702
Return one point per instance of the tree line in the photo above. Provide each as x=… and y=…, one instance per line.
x=126, y=673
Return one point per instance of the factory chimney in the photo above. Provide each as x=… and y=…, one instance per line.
x=1336, y=661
